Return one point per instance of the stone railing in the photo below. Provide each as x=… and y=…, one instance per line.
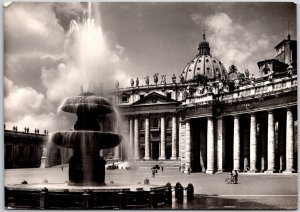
x=265, y=87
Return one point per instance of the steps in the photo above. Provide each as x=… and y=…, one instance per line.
x=165, y=163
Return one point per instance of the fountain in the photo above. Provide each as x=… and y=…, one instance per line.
x=86, y=167
x=86, y=187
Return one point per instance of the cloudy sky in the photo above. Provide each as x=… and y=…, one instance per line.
x=134, y=40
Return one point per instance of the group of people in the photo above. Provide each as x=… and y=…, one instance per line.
x=155, y=169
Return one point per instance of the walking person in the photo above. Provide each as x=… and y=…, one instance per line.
x=235, y=176
x=162, y=169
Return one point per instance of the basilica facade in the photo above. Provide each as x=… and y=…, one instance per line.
x=212, y=119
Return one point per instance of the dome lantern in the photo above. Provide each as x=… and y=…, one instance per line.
x=204, y=47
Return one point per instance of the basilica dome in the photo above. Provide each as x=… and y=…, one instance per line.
x=204, y=64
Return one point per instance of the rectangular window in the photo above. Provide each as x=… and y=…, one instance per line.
x=124, y=99
x=169, y=95
x=21, y=152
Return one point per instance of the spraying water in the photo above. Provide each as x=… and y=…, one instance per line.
x=86, y=50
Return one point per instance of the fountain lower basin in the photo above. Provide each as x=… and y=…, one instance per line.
x=89, y=139
x=64, y=196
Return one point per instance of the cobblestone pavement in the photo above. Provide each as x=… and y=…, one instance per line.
x=253, y=191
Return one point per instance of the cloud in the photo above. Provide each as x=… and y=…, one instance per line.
x=32, y=29
x=26, y=107
x=21, y=100
x=232, y=42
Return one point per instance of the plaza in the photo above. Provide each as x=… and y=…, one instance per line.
x=253, y=191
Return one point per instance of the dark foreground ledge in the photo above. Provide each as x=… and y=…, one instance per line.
x=24, y=197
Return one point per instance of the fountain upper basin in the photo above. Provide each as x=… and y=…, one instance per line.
x=87, y=103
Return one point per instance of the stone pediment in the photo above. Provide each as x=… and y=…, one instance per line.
x=155, y=98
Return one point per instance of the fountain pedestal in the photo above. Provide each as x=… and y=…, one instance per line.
x=87, y=171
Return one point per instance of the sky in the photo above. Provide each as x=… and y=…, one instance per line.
x=41, y=65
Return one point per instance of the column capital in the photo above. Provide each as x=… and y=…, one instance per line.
x=236, y=115
x=173, y=113
x=162, y=115
x=145, y=115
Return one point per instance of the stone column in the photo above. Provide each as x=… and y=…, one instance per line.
x=162, y=138
x=210, y=146
x=136, y=138
x=182, y=137
x=117, y=152
x=271, y=142
x=131, y=138
x=253, y=143
x=236, y=143
x=147, y=138
x=289, y=141
x=187, y=146
x=174, y=137
x=220, y=146
x=179, y=140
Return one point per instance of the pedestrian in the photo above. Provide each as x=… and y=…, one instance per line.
x=153, y=172
x=189, y=170
x=235, y=176
x=162, y=169
x=62, y=168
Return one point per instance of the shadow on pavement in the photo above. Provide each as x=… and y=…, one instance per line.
x=221, y=203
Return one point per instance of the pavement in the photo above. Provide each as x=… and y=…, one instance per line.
x=254, y=191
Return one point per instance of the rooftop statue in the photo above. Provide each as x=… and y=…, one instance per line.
x=181, y=78
x=131, y=82
x=137, y=82
x=270, y=77
x=252, y=80
x=147, y=80
x=174, y=79
x=117, y=85
x=163, y=79
x=155, y=76
x=247, y=74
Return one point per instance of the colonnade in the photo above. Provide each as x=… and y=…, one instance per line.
x=216, y=144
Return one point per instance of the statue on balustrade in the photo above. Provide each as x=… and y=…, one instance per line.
x=247, y=74
x=221, y=87
x=117, y=84
x=252, y=80
x=131, y=82
x=181, y=78
x=147, y=80
x=137, y=82
x=155, y=78
x=290, y=71
x=163, y=79
x=270, y=77
x=174, y=79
